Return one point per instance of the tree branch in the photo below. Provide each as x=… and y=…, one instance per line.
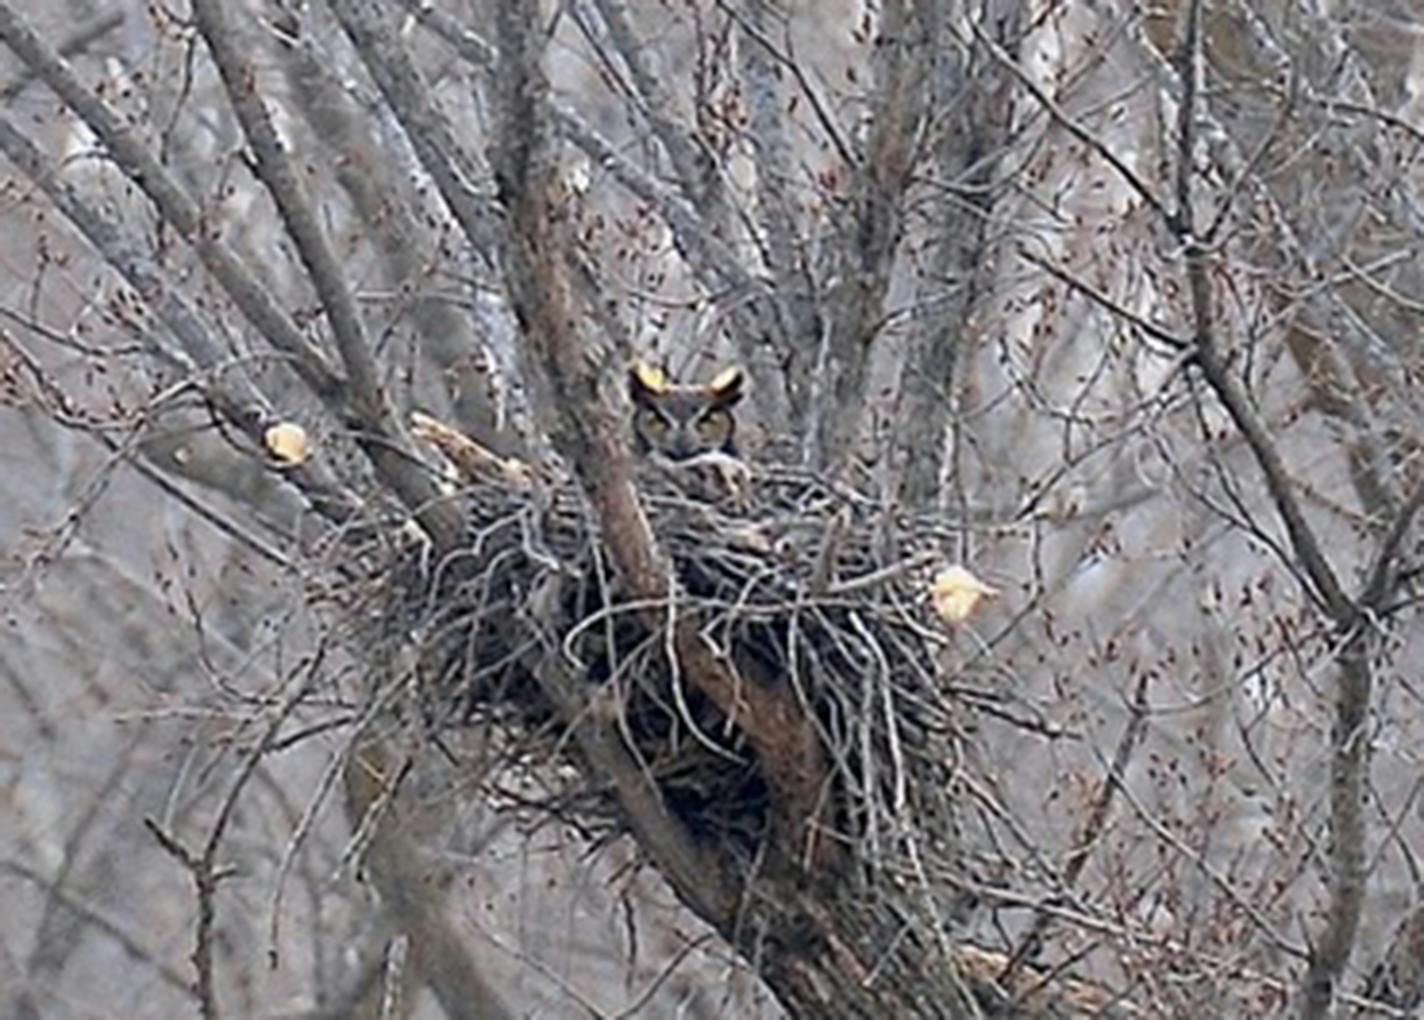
x=367, y=407
x=241, y=404
x=135, y=159
x=1349, y=740
x=585, y=431
x=866, y=253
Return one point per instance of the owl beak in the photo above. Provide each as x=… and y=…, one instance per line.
x=682, y=448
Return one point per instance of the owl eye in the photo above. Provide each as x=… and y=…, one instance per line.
x=714, y=428
x=655, y=426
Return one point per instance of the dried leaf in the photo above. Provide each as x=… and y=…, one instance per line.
x=956, y=592
x=287, y=442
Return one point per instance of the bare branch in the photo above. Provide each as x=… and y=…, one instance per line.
x=1068, y=123
x=366, y=405
x=242, y=405
x=693, y=169
x=865, y=254
x=582, y=430
x=168, y=196
x=1324, y=584
x=77, y=42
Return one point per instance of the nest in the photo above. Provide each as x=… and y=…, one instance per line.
x=790, y=581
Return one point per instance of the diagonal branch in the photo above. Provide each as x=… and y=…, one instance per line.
x=77, y=42
x=752, y=303
x=868, y=250
x=255, y=301
x=1326, y=586
x=240, y=404
x=1350, y=745
x=588, y=434
x=693, y=168
x=277, y=174
x=1065, y=120
x=136, y=160
x=368, y=411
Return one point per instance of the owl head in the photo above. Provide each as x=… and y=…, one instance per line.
x=680, y=421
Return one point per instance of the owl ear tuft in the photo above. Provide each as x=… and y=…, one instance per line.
x=646, y=381
x=726, y=388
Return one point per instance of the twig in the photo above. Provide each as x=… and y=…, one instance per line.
x=1082, y=134
x=135, y=159
x=203, y=866
x=1106, y=301
x=239, y=403
x=1093, y=828
x=367, y=407
x=77, y=42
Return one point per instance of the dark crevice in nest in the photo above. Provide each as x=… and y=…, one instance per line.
x=790, y=578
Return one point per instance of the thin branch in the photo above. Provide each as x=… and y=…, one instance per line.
x=1382, y=575
x=368, y=409
x=658, y=107
x=715, y=263
x=275, y=171
x=1349, y=740
x=77, y=42
x=1082, y=134
x=867, y=251
x=1093, y=829
x=752, y=27
x=712, y=262
x=239, y=403
x=136, y=160
x=1324, y=585
x=203, y=865
x=582, y=430
x=1106, y=301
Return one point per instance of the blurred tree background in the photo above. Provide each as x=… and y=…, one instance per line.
x=1120, y=302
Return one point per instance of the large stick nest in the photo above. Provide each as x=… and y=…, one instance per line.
x=791, y=581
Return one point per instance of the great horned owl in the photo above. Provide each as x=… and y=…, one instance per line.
x=688, y=432
x=683, y=422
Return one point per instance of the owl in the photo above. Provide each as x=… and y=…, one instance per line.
x=682, y=422
x=688, y=433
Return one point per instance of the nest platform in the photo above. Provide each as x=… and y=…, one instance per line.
x=791, y=581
